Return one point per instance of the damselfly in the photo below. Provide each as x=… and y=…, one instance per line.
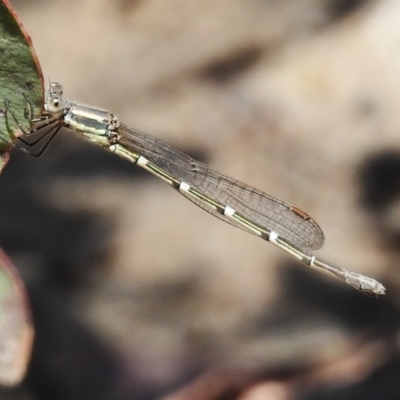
x=247, y=208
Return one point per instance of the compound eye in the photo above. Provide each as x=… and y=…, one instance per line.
x=55, y=106
x=56, y=88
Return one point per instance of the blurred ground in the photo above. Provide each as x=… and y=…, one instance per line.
x=139, y=294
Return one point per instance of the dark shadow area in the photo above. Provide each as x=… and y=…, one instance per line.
x=356, y=310
x=379, y=193
x=307, y=294
x=338, y=9
x=379, y=180
x=383, y=384
x=227, y=69
x=70, y=241
x=68, y=361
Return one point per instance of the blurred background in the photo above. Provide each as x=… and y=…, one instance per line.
x=137, y=293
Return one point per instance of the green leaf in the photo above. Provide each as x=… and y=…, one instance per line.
x=21, y=79
x=16, y=330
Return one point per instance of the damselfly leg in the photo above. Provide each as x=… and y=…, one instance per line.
x=44, y=127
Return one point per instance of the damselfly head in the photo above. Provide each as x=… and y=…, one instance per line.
x=54, y=101
x=55, y=89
